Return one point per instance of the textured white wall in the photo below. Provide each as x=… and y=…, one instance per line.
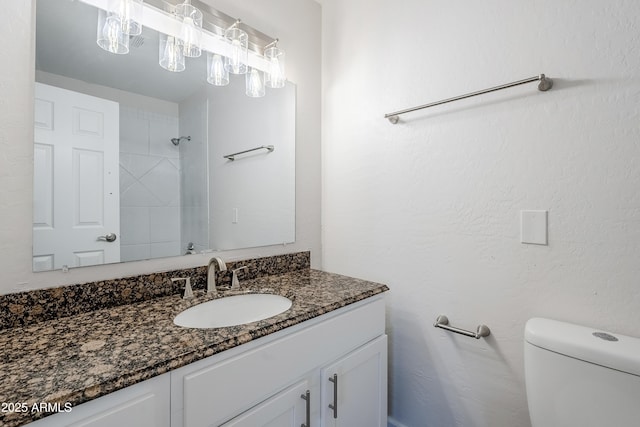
x=295, y=22
x=431, y=206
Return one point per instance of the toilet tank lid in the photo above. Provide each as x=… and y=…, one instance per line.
x=585, y=343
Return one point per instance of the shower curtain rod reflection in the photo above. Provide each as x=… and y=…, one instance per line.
x=545, y=84
x=232, y=157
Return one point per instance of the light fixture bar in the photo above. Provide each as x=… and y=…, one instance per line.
x=273, y=43
x=155, y=17
x=217, y=22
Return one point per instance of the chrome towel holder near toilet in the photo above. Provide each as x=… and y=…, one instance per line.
x=443, y=322
x=545, y=84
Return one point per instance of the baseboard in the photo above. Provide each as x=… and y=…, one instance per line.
x=391, y=422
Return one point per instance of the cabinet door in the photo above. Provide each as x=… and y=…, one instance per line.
x=354, y=388
x=145, y=404
x=286, y=409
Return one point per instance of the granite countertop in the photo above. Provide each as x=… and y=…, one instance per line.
x=78, y=358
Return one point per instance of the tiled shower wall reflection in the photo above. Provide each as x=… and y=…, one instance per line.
x=149, y=185
x=194, y=176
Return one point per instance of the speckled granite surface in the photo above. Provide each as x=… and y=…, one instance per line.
x=25, y=308
x=77, y=358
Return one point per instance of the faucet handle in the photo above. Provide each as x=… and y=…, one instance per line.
x=235, y=283
x=188, y=292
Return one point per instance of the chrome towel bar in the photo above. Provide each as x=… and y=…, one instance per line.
x=545, y=84
x=443, y=322
x=232, y=157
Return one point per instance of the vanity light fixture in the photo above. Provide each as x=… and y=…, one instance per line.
x=171, y=53
x=110, y=36
x=191, y=30
x=254, y=81
x=217, y=74
x=275, y=75
x=129, y=14
x=182, y=34
x=236, y=62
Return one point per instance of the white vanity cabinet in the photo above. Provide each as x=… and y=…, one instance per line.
x=353, y=394
x=279, y=380
x=267, y=381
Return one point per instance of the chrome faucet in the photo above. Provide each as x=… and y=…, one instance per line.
x=211, y=272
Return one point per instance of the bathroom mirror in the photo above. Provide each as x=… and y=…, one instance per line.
x=129, y=157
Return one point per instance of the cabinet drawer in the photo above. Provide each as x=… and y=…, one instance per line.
x=214, y=394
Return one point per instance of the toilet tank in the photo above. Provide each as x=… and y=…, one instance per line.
x=578, y=376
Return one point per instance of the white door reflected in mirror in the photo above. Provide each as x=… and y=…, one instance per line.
x=75, y=179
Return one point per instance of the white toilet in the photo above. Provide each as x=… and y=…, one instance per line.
x=581, y=377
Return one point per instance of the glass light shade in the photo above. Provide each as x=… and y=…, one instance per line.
x=130, y=14
x=171, y=53
x=275, y=77
x=217, y=74
x=191, y=32
x=254, y=80
x=110, y=36
x=236, y=63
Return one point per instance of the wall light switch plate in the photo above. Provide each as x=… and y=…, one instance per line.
x=533, y=227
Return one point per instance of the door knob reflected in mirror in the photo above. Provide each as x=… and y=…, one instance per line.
x=111, y=237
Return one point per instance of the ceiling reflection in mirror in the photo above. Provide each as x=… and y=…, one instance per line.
x=129, y=158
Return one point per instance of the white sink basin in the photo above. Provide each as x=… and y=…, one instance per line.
x=233, y=310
